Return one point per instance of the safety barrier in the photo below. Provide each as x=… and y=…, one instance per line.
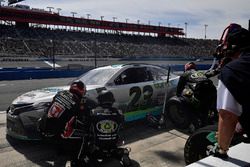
x=40, y=73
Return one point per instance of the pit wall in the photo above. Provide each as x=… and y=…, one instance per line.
x=42, y=73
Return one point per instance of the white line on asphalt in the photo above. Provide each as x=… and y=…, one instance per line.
x=2, y=112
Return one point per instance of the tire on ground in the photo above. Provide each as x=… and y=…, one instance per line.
x=196, y=145
x=177, y=112
x=108, y=163
x=116, y=163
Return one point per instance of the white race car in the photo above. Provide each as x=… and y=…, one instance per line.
x=139, y=89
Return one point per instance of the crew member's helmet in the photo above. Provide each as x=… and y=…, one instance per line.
x=78, y=87
x=105, y=98
x=234, y=39
x=190, y=66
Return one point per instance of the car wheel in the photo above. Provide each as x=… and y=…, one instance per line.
x=177, y=112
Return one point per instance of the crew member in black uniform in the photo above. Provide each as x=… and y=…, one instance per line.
x=234, y=86
x=106, y=122
x=68, y=117
x=199, y=91
x=64, y=107
x=68, y=114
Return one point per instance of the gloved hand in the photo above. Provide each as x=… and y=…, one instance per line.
x=216, y=151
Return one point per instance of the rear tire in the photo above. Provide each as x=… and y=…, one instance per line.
x=177, y=111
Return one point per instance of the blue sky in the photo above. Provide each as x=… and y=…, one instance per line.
x=216, y=14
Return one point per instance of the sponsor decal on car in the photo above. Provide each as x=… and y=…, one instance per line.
x=159, y=85
x=141, y=113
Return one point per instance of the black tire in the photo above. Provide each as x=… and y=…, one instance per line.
x=134, y=164
x=116, y=163
x=177, y=112
x=196, y=145
x=171, y=93
x=107, y=163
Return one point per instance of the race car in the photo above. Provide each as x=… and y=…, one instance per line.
x=139, y=89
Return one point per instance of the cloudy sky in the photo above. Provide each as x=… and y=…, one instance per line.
x=216, y=14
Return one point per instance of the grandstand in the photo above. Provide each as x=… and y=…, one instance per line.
x=27, y=33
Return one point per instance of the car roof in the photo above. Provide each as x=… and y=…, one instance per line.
x=130, y=65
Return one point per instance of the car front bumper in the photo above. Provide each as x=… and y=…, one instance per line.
x=22, y=123
x=14, y=128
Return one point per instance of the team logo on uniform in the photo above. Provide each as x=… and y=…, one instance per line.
x=107, y=126
x=197, y=75
x=55, y=110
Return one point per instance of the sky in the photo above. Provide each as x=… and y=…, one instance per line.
x=215, y=14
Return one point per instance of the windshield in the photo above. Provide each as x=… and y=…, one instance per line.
x=98, y=76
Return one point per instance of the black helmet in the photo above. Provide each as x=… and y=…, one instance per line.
x=106, y=98
x=234, y=38
x=78, y=87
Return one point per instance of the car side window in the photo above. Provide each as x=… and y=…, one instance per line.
x=133, y=75
x=158, y=74
x=149, y=76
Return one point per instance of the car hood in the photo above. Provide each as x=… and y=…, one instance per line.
x=45, y=94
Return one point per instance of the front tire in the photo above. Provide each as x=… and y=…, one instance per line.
x=178, y=112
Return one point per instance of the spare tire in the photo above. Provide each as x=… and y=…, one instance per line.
x=108, y=163
x=196, y=145
x=177, y=110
